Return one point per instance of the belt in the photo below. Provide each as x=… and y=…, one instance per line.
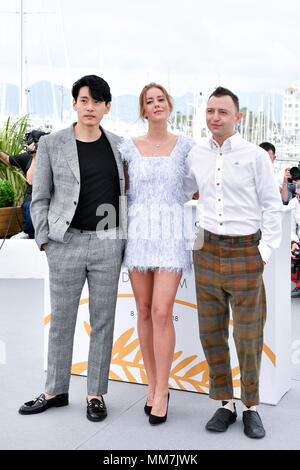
x=98, y=233
x=233, y=240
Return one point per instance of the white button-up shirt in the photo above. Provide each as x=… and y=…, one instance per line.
x=238, y=191
x=295, y=220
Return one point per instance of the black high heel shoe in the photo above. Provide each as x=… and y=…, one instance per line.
x=159, y=419
x=147, y=409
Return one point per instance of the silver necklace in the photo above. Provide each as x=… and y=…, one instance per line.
x=156, y=145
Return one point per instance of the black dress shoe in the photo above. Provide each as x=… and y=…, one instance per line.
x=40, y=404
x=153, y=419
x=96, y=410
x=253, y=426
x=221, y=420
x=295, y=293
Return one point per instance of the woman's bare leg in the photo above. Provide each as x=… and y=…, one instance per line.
x=142, y=286
x=164, y=292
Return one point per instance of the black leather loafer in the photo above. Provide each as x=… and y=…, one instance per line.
x=221, y=420
x=96, y=410
x=253, y=426
x=40, y=404
x=295, y=293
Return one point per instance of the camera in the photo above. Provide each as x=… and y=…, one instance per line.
x=296, y=253
x=295, y=174
x=295, y=266
x=33, y=137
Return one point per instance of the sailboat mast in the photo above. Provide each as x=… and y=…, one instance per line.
x=22, y=92
x=21, y=58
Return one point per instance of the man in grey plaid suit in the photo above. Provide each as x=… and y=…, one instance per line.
x=79, y=221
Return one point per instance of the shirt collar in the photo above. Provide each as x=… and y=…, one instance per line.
x=228, y=144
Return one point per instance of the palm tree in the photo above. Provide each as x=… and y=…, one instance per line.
x=11, y=142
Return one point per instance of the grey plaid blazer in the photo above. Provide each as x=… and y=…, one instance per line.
x=56, y=185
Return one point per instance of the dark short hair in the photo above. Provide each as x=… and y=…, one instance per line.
x=220, y=91
x=295, y=173
x=99, y=88
x=268, y=146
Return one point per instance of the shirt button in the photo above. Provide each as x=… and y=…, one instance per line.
x=75, y=203
x=68, y=223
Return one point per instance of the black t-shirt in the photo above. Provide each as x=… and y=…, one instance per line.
x=23, y=161
x=99, y=184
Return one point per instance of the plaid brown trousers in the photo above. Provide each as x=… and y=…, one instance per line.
x=229, y=269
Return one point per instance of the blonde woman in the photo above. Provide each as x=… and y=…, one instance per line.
x=155, y=254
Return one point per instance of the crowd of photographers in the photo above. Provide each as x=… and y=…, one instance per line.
x=288, y=183
x=295, y=242
x=289, y=187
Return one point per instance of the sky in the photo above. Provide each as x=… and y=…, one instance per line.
x=187, y=45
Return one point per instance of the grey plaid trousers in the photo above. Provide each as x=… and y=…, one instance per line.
x=97, y=260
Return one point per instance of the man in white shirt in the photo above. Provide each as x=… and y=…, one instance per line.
x=270, y=148
x=241, y=218
x=295, y=239
x=281, y=179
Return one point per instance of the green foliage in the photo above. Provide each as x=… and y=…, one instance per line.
x=11, y=142
x=12, y=135
x=7, y=194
